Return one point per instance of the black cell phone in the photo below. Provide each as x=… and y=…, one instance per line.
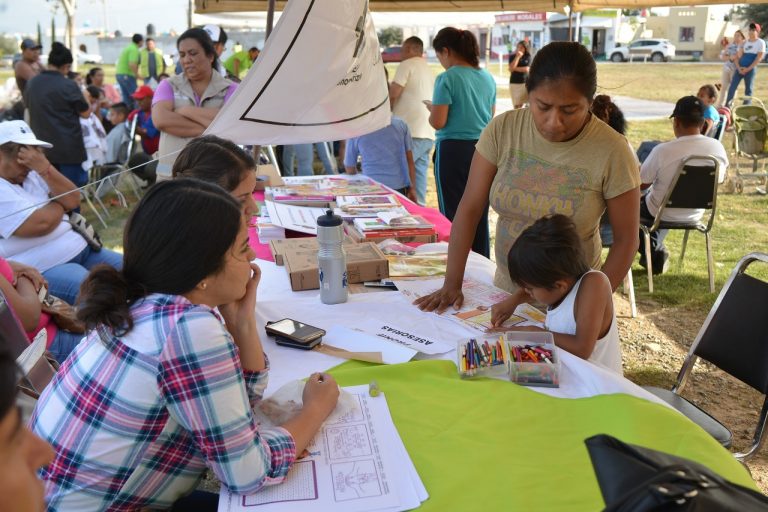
x=294, y=334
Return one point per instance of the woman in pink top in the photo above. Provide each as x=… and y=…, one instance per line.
x=20, y=284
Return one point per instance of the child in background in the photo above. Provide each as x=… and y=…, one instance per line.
x=94, y=135
x=708, y=96
x=547, y=261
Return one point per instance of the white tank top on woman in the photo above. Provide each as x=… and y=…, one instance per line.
x=607, y=351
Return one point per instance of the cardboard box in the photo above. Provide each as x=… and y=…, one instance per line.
x=279, y=248
x=365, y=262
x=270, y=171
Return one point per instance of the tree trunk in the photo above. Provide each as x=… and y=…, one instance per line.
x=69, y=9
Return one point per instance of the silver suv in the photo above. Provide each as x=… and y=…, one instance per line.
x=657, y=50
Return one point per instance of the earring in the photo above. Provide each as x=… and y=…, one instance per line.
x=203, y=285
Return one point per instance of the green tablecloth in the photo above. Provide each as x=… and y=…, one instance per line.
x=492, y=445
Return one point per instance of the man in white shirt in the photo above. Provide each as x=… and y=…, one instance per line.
x=34, y=225
x=659, y=168
x=414, y=82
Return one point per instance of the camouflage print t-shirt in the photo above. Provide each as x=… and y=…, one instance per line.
x=536, y=177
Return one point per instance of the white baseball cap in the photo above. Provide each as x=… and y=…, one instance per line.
x=214, y=31
x=20, y=133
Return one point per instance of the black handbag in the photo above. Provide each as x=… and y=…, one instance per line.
x=637, y=479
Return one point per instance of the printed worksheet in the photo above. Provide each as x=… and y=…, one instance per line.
x=475, y=312
x=357, y=463
x=296, y=218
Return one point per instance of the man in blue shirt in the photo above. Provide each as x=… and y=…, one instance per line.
x=387, y=157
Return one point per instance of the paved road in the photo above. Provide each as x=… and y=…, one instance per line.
x=634, y=109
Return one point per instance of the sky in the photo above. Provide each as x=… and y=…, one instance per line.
x=129, y=16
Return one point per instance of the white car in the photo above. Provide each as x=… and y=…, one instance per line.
x=88, y=58
x=657, y=50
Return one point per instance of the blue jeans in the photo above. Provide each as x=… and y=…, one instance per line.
x=749, y=79
x=64, y=343
x=74, y=173
x=128, y=86
x=64, y=280
x=421, y=153
x=303, y=154
x=322, y=153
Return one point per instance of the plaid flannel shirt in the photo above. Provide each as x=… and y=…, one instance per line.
x=135, y=421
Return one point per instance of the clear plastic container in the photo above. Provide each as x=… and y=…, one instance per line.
x=485, y=358
x=545, y=372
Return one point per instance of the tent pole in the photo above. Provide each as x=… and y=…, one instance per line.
x=270, y=16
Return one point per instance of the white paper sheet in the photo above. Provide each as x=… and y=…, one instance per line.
x=297, y=218
x=356, y=464
x=357, y=341
x=405, y=332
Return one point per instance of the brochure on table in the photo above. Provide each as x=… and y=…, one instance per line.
x=356, y=463
x=297, y=218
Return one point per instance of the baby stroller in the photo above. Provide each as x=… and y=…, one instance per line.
x=750, y=122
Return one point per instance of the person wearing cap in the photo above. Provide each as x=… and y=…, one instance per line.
x=29, y=65
x=151, y=63
x=127, y=68
x=219, y=38
x=659, y=169
x=56, y=105
x=145, y=128
x=749, y=56
x=34, y=226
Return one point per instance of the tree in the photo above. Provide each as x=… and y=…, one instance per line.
x=53, y=29
x=754, y=13
x=390, y=36
x=70, y=7
x=39, y=34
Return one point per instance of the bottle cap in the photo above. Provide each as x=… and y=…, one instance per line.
x=329, y=220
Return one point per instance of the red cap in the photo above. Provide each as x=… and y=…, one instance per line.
x=144, y=91
x=756, y=26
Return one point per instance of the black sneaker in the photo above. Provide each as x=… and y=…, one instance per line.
x=660, y=267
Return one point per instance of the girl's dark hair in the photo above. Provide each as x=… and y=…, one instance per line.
x=547, y=251
x=525, y=44
x=562, y=60
x=59, y=55
x=215, y=160
x=608, y=112
x=710, y=89
x=91, y=73
x=94, y=91
x=179, y=233
x=202, y=37
x=9, y=377
x=461, y=42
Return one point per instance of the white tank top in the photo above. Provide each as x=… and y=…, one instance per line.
x=607, y=351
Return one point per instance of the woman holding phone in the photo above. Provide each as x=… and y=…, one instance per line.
x=163, y=386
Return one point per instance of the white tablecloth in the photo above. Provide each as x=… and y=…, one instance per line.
x=578, y=378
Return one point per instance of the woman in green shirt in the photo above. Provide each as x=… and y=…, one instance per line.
x=463, y=103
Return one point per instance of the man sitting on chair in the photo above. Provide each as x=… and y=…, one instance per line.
x=659, y=169
x=34, y=225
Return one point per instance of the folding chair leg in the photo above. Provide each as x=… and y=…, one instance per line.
x=710, y=263
x=758, y=438
x=682, y=253
x=648, y=262
x=629, y=289
x=93, y=209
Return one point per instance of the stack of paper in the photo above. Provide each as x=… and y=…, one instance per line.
x=321, y=190
x=356, y=463
x=367, y=203
x=268, y=230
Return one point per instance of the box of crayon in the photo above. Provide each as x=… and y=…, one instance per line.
x=533, y=359
x=484, y=356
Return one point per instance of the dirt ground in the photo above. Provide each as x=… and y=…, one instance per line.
x=654, y=346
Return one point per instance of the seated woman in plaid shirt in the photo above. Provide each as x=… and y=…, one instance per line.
x=161, y=388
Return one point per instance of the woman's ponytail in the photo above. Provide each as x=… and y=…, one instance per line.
x=105, y=299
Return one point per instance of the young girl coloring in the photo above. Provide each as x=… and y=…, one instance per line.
x=547, y=261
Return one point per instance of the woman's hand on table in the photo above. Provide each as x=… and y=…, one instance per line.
x=321, y=394
x=441, y=300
